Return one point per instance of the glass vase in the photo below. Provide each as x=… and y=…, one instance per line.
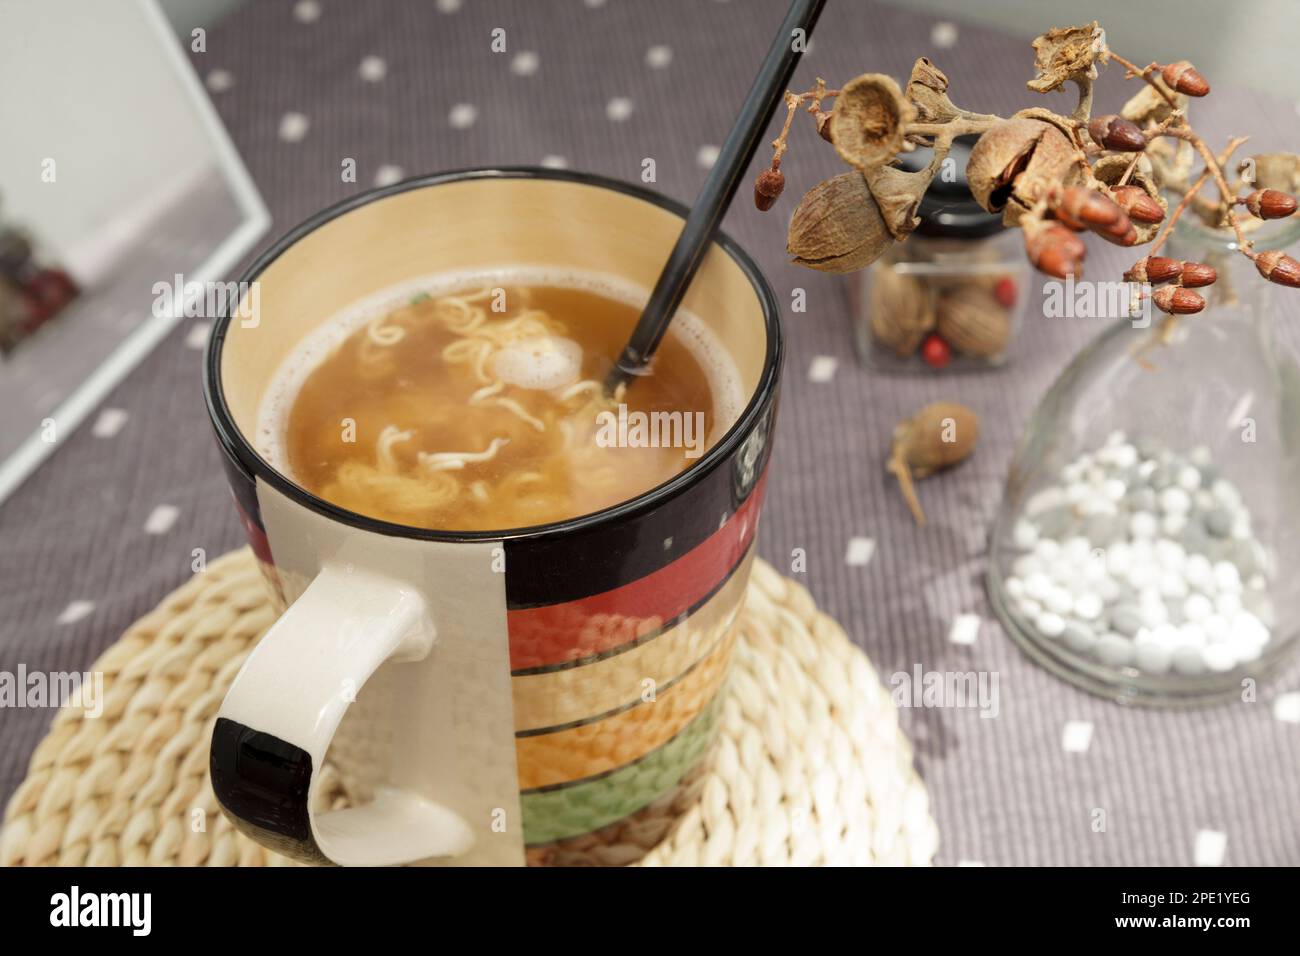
x=1151, y=516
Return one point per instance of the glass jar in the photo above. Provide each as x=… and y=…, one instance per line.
x=949, y=296
x=1144, y=544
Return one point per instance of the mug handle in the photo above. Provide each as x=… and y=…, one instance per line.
x=280, y=714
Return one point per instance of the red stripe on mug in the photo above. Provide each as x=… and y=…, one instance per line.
x=575, y=631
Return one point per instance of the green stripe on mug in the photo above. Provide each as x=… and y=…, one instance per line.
x=577, y=808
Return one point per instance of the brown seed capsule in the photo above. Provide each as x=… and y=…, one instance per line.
x=1196, y=274
x=1177, y=301
x=824, y=126
x=1153, y=269
x=972, y=321
x=1122, y=233
x=1075, y=204
x=1018, y=158
x=868, y=120
x=837, y=226
x=1270, y=204
x=767, y=188
x=1182, y=76
x=1055, y=250
x=1139, y=205
x=1276, y=266
x=936, y=437
x=1117, y=133
x=902, y=311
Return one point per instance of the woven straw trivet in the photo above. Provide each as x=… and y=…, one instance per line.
x=810, y=767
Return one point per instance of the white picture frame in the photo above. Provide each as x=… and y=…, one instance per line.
x=161, y=67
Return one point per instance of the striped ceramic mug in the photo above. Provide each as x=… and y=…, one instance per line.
x=543, y=694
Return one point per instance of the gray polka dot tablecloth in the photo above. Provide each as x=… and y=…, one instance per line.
x=107, y=526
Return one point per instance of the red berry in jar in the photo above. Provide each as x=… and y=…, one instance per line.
x=1005, y=292
x=936, y=352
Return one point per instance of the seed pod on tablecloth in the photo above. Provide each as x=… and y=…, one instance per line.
x=938, y=436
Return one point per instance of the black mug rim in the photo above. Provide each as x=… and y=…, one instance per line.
x=235, y=444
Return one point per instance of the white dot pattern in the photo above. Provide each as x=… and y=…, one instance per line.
x=619, y=109
x=922, y=595
x=822, y=368
x=110, y=422
x=859, y=552
x=372, y=69
x=76, y=611
x=1209, y=848
x=965, y=629
x=161, y=519
x=1076, y=737
x=462, y=115
x=294, y=127
x=525, y=63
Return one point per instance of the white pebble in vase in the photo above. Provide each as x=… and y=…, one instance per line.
x=1060, y=601
x=1189, y=478
x=1189, y=661
x=1219, y=658
x=1088, y=606
x=1174, y=500
x=1050, y=624
x=1197, y=608
x=1153, y=658
x=1124, y=456
x=1115, y=650
x=1226, y=576
x=1143, y=525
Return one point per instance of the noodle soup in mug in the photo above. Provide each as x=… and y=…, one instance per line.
x=509, y=608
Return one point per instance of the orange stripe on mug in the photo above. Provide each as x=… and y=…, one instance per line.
x=603, y=746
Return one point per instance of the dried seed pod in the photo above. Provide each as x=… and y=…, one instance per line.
x=1140, y=206
x=936, y=437
x=1277, y=266
x=1054, y=249
x=972, y=321
x=927, y=90
x=1153, y=269
x=824, y=126
x=838, y=226
x=898, y=193
x=902, y=311
x=1117, y=133
x=1020, y=156
x=1182, y=76
x=868, y=119
x=1066, y=53
x=1087, y=207
x=1112, y=169
x=1194, y=275
x=1177, y=301
x=1280, y=171
x=1148, y=106
x=1122, y=232
x=1270, y=204
x=767, y=188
